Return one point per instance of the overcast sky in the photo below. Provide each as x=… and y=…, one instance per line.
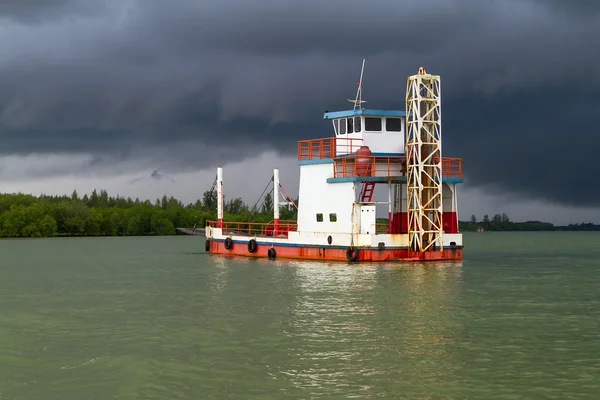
x=148, y=97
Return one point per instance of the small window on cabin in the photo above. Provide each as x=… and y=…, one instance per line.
x=350, y=125
x=357, y=127
x=336, y=128
x=319, y=217
x=372, y=124
x=393, y=124
x=333, y=217
x=342, y=126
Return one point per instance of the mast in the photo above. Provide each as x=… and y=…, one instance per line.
x=424, y=161
x=358, y=100
x=219, y=197
x=275, y=201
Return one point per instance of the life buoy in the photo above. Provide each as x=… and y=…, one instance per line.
x=207, y=245
x=272, y=253
x=252, y=246
x=352, y=254
x=228, y=243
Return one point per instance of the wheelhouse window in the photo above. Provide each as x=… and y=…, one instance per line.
x=336, y=128
x=357, y=127
x=393, y=124
x=332, y=217
x=350, y=125
x=343, y=126
x=372, y=124
x=319, y=217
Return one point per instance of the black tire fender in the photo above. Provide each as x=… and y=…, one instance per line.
x=252, y=246
x=272, y=253
x=207, y=245
x=352, y=254
x=228, y=243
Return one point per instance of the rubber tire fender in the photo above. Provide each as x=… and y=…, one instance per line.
x=228, y=243
x=207, y=245
x=272, y=254
x=252, y=246
x=352, y=254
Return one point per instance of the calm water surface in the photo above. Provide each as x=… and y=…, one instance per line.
x=157, y=318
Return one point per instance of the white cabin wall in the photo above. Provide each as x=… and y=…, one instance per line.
x=318, y=196
x=384, y=141
x=448, y=196
x=379, y=142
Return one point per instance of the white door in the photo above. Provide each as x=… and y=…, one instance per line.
x=367, y=220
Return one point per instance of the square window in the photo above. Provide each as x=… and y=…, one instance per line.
x=372, y=124
x=332, y=217
x=319, y=217
x=393, y=124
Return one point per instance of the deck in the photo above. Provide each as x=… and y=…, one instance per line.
x=381, y=169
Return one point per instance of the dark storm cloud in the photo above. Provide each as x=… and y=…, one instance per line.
x=574, y=7
x=36, y=11
x=520, y=80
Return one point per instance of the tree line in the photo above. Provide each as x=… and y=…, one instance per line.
x=501, y=222
x=98, y=214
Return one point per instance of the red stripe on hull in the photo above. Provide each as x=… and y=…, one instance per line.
x=335, y=254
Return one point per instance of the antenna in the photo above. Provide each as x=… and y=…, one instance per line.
x=358, y=100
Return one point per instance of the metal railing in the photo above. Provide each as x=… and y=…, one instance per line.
x=347, y=167
x=255, y=228
x=318, y=149
x=452, y=167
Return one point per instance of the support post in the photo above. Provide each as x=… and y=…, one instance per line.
x=220, y=197
x=390, y=209
x=275, y=202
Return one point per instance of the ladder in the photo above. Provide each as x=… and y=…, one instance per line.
x=366, y=194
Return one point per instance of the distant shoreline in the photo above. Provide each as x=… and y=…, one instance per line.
x=98, y=214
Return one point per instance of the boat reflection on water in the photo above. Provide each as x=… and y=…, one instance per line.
x=373, y=329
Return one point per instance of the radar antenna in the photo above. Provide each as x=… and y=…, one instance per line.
x=358, y=100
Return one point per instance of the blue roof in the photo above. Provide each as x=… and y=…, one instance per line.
x=351, y=113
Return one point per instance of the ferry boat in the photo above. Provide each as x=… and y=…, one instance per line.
x=370, y=151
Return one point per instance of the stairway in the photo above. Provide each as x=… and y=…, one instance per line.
x=366, y=194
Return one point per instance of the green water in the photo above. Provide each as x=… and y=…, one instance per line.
x=157, y=318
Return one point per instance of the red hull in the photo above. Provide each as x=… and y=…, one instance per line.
x=335, y=253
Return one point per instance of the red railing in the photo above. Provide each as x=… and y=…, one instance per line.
x=317, y=149
x=255, y=228
x=346, y=167
x=347, y=146
x=452, y=167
